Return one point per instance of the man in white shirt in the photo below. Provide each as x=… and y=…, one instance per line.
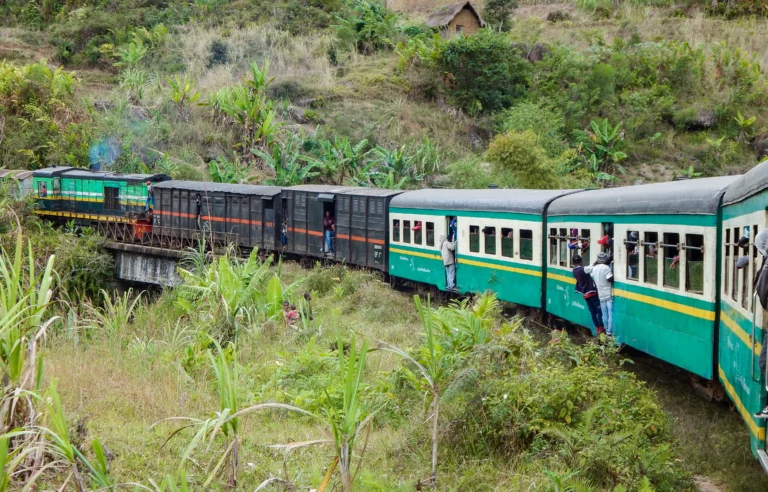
x=603, y=276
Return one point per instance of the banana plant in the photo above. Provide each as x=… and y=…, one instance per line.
x=183, y=91
x=745, y=125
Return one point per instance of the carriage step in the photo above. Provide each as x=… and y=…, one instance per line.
x=763, y=457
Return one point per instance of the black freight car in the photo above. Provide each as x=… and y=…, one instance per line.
x=361, y=221
x=243, y=214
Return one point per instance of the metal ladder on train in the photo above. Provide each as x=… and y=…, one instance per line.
x=762, y=455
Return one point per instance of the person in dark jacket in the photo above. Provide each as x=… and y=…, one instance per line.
x=761, y=288
x=585, y=286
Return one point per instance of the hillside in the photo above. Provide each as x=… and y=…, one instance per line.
x=210, y=386
x=667, y=91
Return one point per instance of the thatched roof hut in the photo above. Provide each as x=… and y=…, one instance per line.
x=457, y=18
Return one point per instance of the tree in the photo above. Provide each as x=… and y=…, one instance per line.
x=498, y=14
x=483, y=72
x=519, y=156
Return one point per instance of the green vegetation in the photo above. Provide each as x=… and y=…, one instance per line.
x=349, y=92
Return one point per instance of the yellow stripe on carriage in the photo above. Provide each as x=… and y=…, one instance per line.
x=71, y=215
x=467, y=261
x=415, y=253
x=672, y=306
x=739, y=332
x=562, y=278
x=756, y=430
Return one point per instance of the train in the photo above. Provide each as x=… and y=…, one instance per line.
x=678, y=295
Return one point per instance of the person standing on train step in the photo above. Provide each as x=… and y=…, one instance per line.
x=448, y=252
x=198, y=209
x=761, y=288
x=602, y=275
x=329, y=226
x=587, y=288
x=150, y=199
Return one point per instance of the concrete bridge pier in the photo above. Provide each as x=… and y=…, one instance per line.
x=146, y=264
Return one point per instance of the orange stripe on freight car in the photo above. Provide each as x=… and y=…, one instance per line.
x=361, y=239
x=216, y=219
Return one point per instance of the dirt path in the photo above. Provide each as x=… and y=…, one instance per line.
x=705, y=485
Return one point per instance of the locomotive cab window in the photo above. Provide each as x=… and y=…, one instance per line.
x=507, y=242
x=694, y=263
x=111, y=198
x=671, y=248
x=396, y=230
x=651, y=253
x=489, y=237
x=474, y=239
x=406, y=231
x=526, y=244
x=430, y=233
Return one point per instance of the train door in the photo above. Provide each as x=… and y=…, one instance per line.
x=452, y=272
x=326, y=206
x=742, y=323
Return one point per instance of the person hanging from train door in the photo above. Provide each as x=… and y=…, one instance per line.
x=448, y=252
x=601, y=273
x=452, y=229
x=150, y=199
x=587, y=288
x=329, y=227
x=761, y=288
x=198, y=209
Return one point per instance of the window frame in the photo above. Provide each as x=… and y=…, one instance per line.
x=494, y=241
x=395, y=227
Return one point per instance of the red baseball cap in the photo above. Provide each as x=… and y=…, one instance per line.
x=603, y=240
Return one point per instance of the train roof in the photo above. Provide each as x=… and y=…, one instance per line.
x=50, y=172
x=81, y=173
x=751, y=183
x=345, y=190
x=691, y=196
x=486, y=200
x=208, y=187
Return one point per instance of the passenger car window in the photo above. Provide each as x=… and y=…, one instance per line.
x=474, y=239
x=417, y=235
x=553, y=246
x=430, y=233
x=651, y=252
x=584, y=245
x=489, y=236
x=694, y=263
x=734, y=272
x=562, y=241
x=728, y=266
x=507, y=242
x=671, y=260
x=633, y=255
x=396, y=230
x=526, y=244
x=406, y=231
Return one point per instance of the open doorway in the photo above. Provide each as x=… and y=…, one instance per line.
x=329, y=227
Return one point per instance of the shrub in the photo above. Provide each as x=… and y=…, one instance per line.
x=469, y=173
x=371, y=27
x=567, y=405
x=498, y=14
x=547, y=123
x=518, y=155
x=219, y=54
x=483, y=72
